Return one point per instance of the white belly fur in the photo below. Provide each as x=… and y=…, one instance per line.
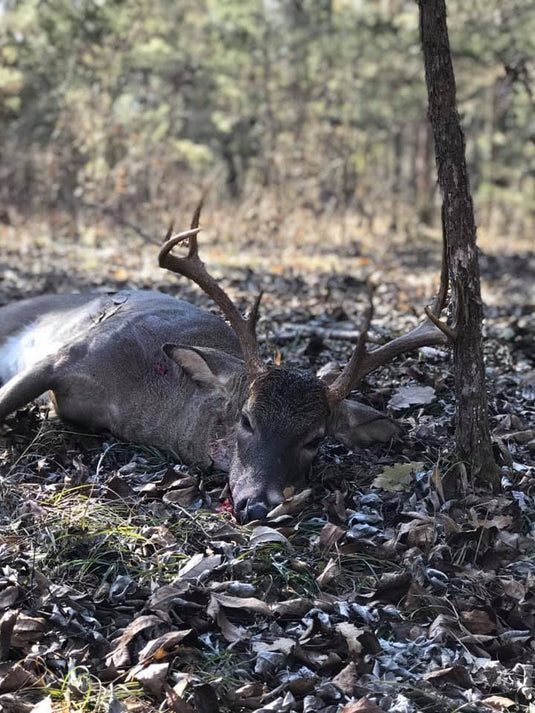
x=23, y=349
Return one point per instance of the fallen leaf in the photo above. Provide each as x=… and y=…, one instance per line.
x=291, y=505
x=9, y=596
x=250, y=690
x=262, y=534
x=44, y=706
x=205, y=698
x=363, y=705
x=392, y=586
x=13, y=677
x=12, y=703
x=284, y=645
x=332, y=571
x=292, y=608
x=478, y=621
x=500, y=522
x=164, y=645
x=397, y=477
x=176, y=703
x=184, y=679
x=330, y=535
x=335, y=506
x=346, y=679
x=7, y=624
x=351, y=634
x=231, y=632
x=119, y=488
x=151, y=677
x=457, y=675
x=498, y=703
x=269, y=662
x=27, y=630
x=119, y=656
x=418, y=534
x=412, y=395
x=445, y=628
x=198, y=567
x=249, y=604
x=182, y=496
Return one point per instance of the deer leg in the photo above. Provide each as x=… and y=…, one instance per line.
x=26, y=386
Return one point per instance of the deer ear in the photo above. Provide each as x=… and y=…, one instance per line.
x=357, y=425
x=203, y=365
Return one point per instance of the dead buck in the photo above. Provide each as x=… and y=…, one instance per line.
x=156, y=370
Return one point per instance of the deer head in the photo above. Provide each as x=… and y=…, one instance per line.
x=286, y=412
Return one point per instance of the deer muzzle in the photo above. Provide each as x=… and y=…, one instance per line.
x=256, y=489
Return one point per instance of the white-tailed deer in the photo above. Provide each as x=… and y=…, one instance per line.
x=156, y=370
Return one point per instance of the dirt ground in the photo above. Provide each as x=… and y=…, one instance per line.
x=124, y=586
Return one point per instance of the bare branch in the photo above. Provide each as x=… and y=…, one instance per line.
x=290, y=331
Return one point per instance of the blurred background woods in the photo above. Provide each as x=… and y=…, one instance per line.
x=308, y=106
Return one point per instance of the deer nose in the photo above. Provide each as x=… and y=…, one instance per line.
x=257, y=511
x=248, y=509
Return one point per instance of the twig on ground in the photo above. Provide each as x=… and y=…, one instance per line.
x=290, y=332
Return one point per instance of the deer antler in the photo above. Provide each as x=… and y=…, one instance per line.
x=193, y=268
x=428, y=333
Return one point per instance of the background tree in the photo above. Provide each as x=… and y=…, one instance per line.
x=472, y=430
x=125, y=104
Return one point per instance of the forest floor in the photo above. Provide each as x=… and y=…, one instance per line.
x=124, y=586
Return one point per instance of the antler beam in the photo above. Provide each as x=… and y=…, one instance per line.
x=428, y=333
x=192, y=267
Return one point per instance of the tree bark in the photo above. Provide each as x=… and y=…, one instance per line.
x=472, y=433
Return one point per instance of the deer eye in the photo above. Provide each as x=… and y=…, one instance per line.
x=314, y=443
x=246, y=423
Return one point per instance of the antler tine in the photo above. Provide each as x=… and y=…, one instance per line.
x=450, y=330
x=442, y=294
x=343, y=384
x=362, y=361
x=195, y=218
x=192, y=267
x=254, y=313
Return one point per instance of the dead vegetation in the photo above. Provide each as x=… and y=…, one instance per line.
x=126, y=585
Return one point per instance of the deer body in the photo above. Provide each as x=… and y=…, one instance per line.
x=102, y=357
x=156, y=370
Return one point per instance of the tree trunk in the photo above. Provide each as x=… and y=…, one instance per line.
x=471, y=423
x=397, y=159
x=425, y=183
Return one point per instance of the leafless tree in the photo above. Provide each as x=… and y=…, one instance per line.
x=473, y=442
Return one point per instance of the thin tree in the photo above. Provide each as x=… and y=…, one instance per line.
x=472, y=433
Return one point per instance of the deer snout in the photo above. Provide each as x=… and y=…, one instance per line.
x=256, y=506
x=247, y=510
x=257, y=478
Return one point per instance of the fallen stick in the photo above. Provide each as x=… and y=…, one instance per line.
x=290, y=332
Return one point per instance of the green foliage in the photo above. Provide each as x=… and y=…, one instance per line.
x=113, y=100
